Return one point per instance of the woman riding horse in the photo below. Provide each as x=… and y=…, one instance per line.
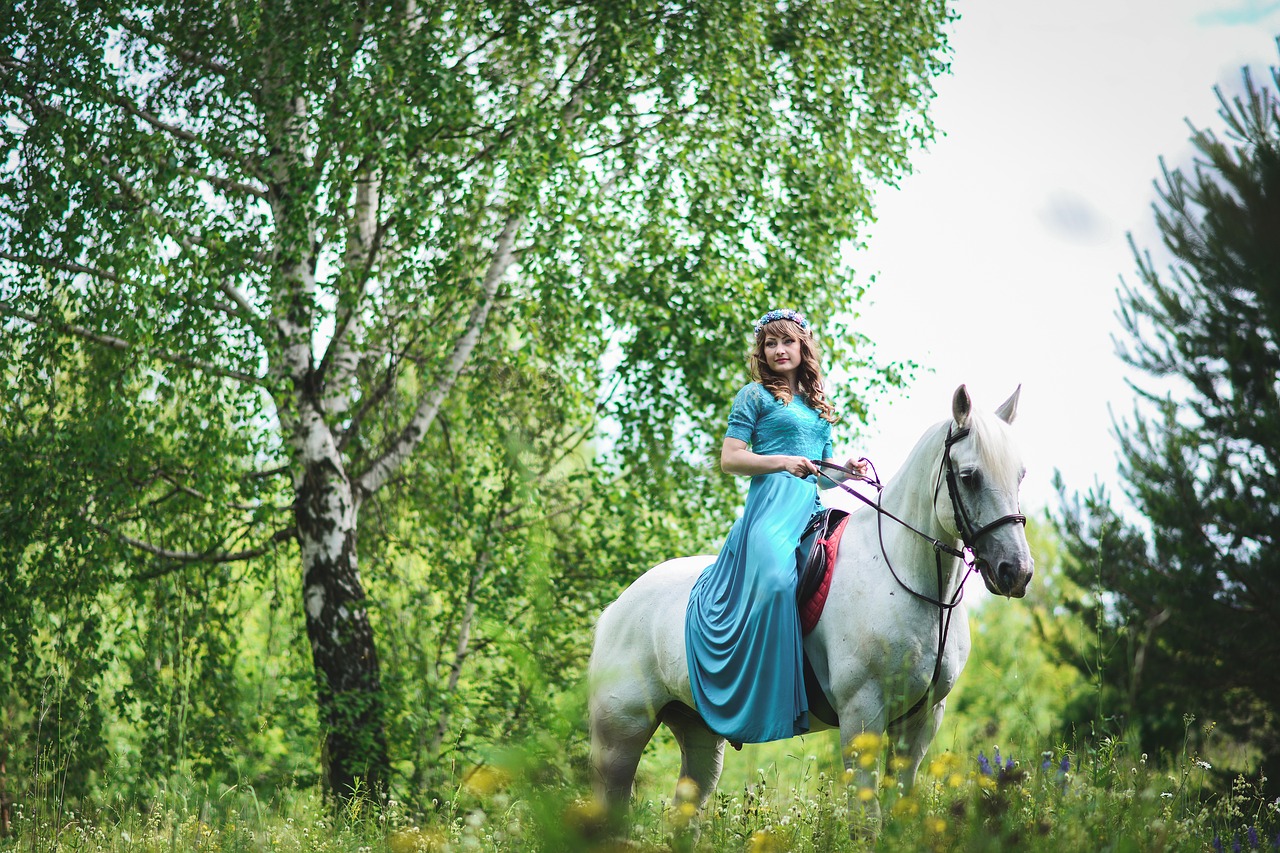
x=742, y=630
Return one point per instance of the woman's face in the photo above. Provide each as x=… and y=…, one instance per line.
x=782, y=353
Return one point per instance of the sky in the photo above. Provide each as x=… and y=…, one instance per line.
x=997, y=261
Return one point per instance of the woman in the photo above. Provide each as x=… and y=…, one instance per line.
x=742, y=629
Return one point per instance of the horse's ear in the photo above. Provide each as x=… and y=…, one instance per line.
x=1009, y=408
x=961, y=406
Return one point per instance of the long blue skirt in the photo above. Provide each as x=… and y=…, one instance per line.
x=742, y=629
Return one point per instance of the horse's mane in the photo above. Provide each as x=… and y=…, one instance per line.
x=999, y=457
x=989, y=434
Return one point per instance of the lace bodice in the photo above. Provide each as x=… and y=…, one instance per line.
x=770, y=426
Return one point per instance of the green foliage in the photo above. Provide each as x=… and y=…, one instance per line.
x=493, y=558
x=1014, y=687
x=1178, y=609
x=259, y=260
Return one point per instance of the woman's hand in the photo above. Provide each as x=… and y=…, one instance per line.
x=798, y=466
x=857, y=466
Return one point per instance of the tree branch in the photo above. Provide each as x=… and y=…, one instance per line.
x=429, y=406
x=232, y=292
x=33, y=259
x=204, y=62
x=342, y=357
x=227, y=184
x=207, y=557
x=125, y=346
x=155, y=122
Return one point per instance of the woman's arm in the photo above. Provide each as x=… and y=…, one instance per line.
x=737, y=458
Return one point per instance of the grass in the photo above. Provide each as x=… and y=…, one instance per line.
x=774, y=797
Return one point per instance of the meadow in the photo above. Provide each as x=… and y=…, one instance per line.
x=775, y=797
x=1002, y=775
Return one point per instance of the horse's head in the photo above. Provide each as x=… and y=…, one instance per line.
x=977, y=493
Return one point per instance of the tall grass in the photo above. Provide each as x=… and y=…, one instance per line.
x=773, y=798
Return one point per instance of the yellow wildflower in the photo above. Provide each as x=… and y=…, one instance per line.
x=764, y=841
x=944, y=764
x=866, y=742
x=687, y=789
x=906, y=807
x=584, y=814
x=414, y=840
x=484, y=780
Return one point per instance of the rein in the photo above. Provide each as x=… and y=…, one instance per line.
x=968, y=536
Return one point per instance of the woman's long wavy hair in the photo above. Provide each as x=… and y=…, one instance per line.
x=808, y=373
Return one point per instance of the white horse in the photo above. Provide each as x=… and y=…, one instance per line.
x=875, y=650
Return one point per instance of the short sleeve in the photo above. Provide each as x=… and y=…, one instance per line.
x=744, y=414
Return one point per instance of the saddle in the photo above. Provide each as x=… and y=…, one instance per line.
x=815, y=557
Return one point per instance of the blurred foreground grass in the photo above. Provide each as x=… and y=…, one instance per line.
x=784, y=796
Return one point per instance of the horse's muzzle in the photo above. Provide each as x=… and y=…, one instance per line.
x=1009, y=578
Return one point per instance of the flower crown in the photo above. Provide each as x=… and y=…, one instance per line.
x=782, y=314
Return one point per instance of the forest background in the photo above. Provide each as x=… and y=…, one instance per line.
x=356, y=357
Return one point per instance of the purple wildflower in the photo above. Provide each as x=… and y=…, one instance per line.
x=1217, y=843
x=997, y=754
x=1047, y=763
x=1235, y=843
x=984, y=766
x=1253, y=838
x=1065, y=767
x=1008, y=767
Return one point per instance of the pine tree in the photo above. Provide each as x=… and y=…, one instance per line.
x=1185, y=610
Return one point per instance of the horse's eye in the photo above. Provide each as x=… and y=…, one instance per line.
x=971, y=479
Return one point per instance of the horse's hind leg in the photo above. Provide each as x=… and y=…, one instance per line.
x=701, y=754
x=617, y=740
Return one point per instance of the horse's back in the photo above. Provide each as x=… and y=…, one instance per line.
x=639, y=638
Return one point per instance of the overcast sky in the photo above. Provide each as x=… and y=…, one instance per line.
x=996, y=263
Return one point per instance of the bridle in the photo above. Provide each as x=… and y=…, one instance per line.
x=969, y=537
x=964, y=524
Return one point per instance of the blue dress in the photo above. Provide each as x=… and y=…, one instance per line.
x=742, y=628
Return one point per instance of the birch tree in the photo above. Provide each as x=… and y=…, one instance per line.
x=265, y=226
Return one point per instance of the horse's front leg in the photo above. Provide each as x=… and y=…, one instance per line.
x=862, y=746
x=918, y=734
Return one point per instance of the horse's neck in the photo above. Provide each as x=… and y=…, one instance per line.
x=910, y=496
